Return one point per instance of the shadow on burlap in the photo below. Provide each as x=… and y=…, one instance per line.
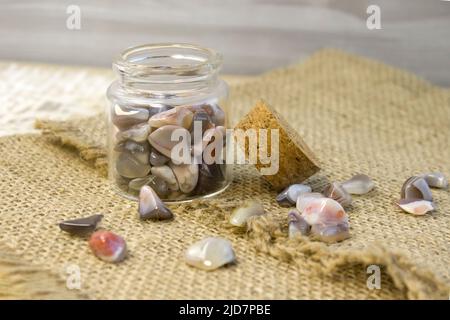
x=357, y=115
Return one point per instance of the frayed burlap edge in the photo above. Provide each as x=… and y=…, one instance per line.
x=65, y=134
x=21, y=280
x=417, y=283
x=269, y=235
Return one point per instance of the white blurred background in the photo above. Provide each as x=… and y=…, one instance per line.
x=253, y=35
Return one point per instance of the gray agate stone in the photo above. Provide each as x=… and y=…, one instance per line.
x=330, y=233
x=210, y=177
x=140, y=151
x=297, y=224
x=125, y=116
x=416, y=188
x=436, y=180
x=336, y=192
x=82, y=226
x=186, y=175
x=159, y=186
x=358, y=184
x=137, y=133
x=157, y=158
x=158, y=108
x=151, y=206
x=201, y=118
x=128, y=166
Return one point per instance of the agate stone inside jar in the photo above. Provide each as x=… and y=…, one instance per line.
x=167, y=121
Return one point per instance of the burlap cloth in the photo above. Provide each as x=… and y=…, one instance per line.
x=357, y=115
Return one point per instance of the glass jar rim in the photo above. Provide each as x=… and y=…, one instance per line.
x=203, y=61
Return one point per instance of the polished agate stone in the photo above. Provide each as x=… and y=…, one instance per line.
x=249, y=209
x=330, y=234
x=151, y=206
x=166, y=174
x=436, y=180
x=136, y=133
x=210, y=177
x=158, y=185
x=161, y=139
x=358, y=184
x=327, y=218
x=416, y=188
x=139, y=151
x=158, y=159
x=186, y=176
x=417, y=207
x=81, y=226
x=210, y=253
x=297, y=224
x=129, y=167
x=288, y=196
x=108, y=246
x=337, y=192
x=179, y=116
x=126, y=116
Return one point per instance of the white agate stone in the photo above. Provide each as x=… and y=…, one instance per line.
x=417, y=207
x=289, y=195
x=324, y=211
x=305, y=198
x=328, y=220
x=240, y=215
x=358, y=184
x=210, y=253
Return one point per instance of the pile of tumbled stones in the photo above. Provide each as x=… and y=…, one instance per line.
x=143, y=149
x=319, y=215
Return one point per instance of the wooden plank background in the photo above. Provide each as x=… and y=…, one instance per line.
x=253, y=35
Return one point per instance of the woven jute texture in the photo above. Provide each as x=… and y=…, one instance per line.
x=357, y=115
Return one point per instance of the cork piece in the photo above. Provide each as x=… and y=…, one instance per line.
x=296, y=160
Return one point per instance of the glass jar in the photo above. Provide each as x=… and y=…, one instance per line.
x=167, y=122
